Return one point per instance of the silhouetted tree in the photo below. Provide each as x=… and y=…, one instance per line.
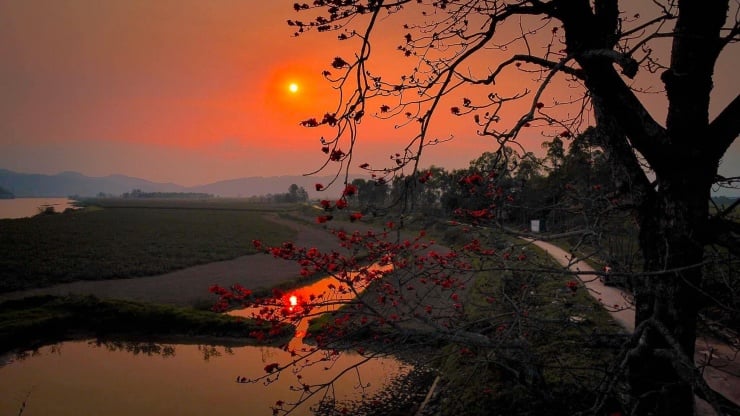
x=459, y=51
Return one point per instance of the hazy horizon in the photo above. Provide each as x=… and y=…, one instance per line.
x=191, y=92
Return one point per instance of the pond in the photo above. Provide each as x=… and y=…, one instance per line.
x=89, y=378
x=126, y=378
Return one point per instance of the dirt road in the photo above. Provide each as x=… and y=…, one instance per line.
x=720, y=362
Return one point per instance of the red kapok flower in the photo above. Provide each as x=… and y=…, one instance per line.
x=341, y=204
x=336, y=155
x=311, y=122
x=339, y=63
x=349, y=190
x=323, y=218
x=330, y=119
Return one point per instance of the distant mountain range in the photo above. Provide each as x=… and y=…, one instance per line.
x=66, y=184
x=74, y=183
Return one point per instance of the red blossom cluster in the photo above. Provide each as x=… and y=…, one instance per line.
x=409, y=279
x=430, y=268
x=336, y=155
x=339, y=63
x=330, y=119
x=473, y=179
x=269, y=368
x=349, y=190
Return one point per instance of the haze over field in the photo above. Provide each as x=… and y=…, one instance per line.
x=194, y=92
x=73, y=183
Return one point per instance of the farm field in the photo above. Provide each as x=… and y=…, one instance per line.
x=122, y=239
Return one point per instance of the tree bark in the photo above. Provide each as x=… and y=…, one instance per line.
x=670, y=224
x=673, y=215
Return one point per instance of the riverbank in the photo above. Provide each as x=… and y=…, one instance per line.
x=36, y=321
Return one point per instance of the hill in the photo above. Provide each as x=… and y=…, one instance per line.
x=259, y=185
x=74, y=183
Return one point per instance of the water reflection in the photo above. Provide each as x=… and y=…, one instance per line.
x=300, y=304
x=136, y=348
x=127, y=377
x=89, y=377
x=146, y=348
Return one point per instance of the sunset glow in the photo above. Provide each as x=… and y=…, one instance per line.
x=202, y=93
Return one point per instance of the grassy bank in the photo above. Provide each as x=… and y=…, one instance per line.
x=555, y=343
x=129, y=239
x=41, y=320
x=565, y=339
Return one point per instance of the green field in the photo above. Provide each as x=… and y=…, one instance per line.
x=120, y=239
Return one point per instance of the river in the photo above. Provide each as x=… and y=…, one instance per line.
x=28, y=207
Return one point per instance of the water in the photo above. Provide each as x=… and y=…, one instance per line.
x=82, y=378
x=87, y=377
x=28, y=207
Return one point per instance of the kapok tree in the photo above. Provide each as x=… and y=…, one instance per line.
x=609, y=55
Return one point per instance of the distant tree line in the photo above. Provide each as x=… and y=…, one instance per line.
x=506, y=187
x=5, y=194
x=295, y=194
x=138, y=193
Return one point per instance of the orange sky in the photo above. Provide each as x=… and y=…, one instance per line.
x=188, y=91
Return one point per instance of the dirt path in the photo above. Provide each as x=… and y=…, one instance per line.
x=617, y=302
x=190, y=286
x=720, y=362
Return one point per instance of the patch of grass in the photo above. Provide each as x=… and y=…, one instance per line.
x=40, y=320
x=565, y=341
x=121, y=241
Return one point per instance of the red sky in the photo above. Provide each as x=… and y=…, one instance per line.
x=193, y=91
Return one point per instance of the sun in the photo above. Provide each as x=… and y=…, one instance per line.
x=293, y=87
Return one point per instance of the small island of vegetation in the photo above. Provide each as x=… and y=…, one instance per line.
x=6, y=194
x=41, y=320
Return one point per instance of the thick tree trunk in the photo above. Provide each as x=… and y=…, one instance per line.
x=660, y=372
x=672, y=216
